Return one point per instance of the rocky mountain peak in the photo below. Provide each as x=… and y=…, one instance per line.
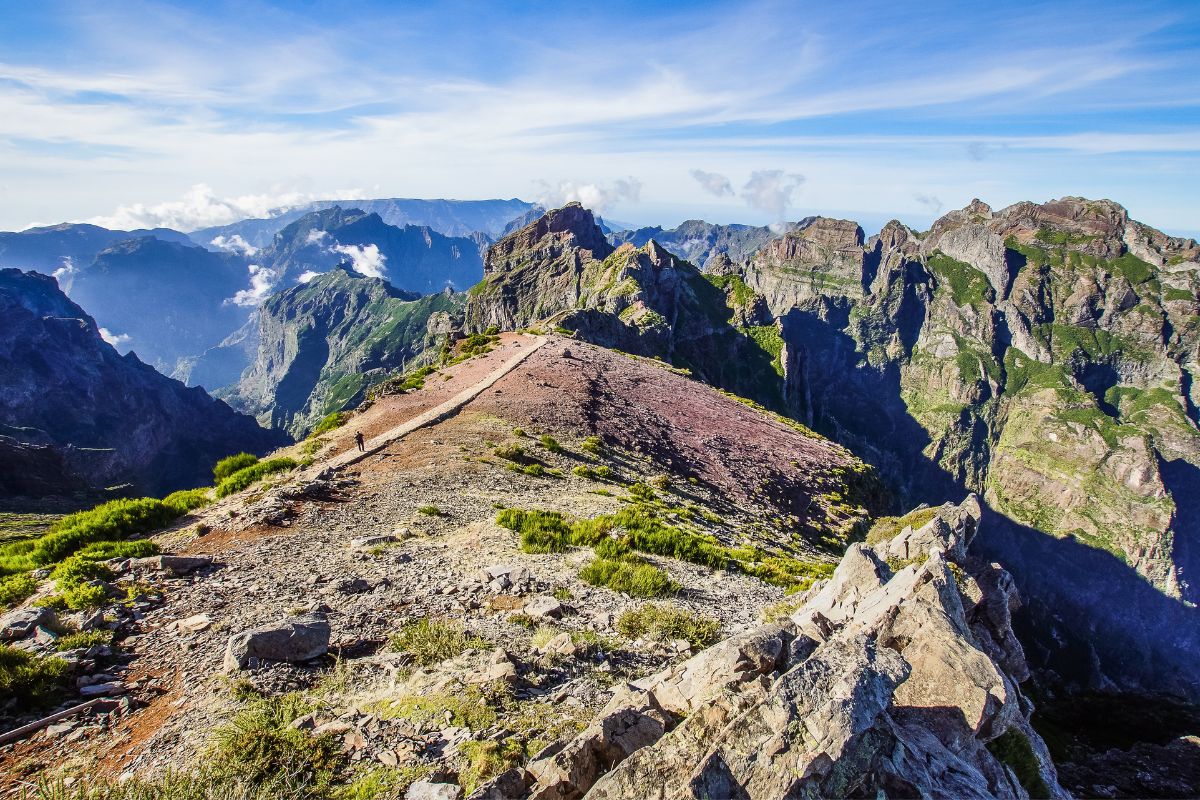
x=571, y=228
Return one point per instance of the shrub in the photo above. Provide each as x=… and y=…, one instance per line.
x=790, y=573
x=430, y=511
x=187, y=499
x=632, y=578
x=518, y=432
x=486, y=760
x=102, y=551
x=16, y=588
x=584, y=472
x=642, y=492
x=592, y=444
x=31, y=680
x=76, y=570
x=468, y=708
x=83, y=639
x=78, y=598
x=605, y=473
x=259, y=746
x=512, y=452
x=252, y=474
x=536, y=470
x=1012, y=748
x=612, y=549
x=550, y=443
x=429, y=640
x=540, y=531
x=231, y=464
x=661, y=482
x=330, y=422
x=116, y=519
x=664, y=623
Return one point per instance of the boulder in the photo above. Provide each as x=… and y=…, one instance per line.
x=23, y=623
x=293, y=640
x=544, y=607
x=176, y=565
x=428, y=790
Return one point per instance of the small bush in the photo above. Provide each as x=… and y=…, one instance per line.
x=584, y=472
x=31, y=680
x=102, y=551
x=468, y=708
x=536, y=470
x=512, y=452
x=83, y=596
x=612, y=549
x=1013, y=749
x=231, y=464
x=632, y=578
x=592, y=444
x=486, y=760
x=116, y=519
x=642, y=492
x=540, y=531
x=429, y=640
x=187, y=500
x=518, y=432
x=605, y=473
x=661, y=482
x=16, y=588
x=259, y=746
x=550, y=443
x=430, y=511
x=83, y=639
x=665, y=623
x=330, y=422
x=252, y=474
x=76, y=570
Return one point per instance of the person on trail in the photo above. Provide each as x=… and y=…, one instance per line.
x=360, y=441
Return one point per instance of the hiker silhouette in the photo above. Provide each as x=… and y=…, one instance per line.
x=360, y=441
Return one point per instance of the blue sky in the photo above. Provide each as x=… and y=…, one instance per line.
x=193, y=114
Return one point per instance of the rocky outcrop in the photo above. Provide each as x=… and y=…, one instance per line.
x=110, y=419
x=324, y=343
x=702, y=243
x=895, y=677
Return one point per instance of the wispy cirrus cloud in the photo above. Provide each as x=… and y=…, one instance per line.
x=117, y=114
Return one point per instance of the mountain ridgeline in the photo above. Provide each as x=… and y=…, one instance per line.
x=1042, y=355
x=322, y=344
x=77, y=417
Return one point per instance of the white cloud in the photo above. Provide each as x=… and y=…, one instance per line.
x=115, y=339
x=262, y=281
x=65, y=275
x=200, y=207
x=929, y=201
x=307, y=276
x=770, y=190
x=316, y=236
x=590, y=195
x=366, y=260
x=713, y=182
x=234, y=244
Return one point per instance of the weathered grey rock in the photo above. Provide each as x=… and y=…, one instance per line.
x=24, y=622
x=293, y=640
x=177, y=565
x=508, y=785
x=544, y=607
x=879, y=686
x=428, y=790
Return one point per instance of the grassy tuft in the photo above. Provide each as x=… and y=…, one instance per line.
x=231, y=464
x=330, y=422
x=33, y=681
x=636, y=579
x=663, y=623
x=16, y=588
x=430, y=641
x=252, y=474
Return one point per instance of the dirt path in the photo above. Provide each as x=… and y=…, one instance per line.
x=433, y=415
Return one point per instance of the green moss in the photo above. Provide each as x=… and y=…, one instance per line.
x=1012, y=749
x=886, y=528
x=968, y=286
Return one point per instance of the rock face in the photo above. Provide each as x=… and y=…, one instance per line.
x=897, y=680
x=110, y=419
x=323, y=343
x=1043, y=356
